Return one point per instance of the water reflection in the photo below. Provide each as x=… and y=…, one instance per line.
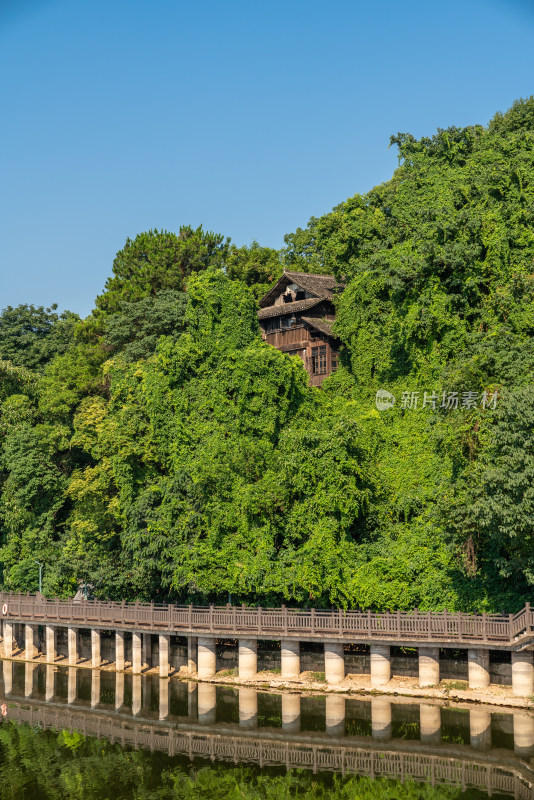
x=349, y=734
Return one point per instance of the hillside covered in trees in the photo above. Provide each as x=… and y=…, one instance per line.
x=159, y=449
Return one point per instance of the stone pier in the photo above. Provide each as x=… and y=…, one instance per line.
x=248, y=658
x=381, y=718
x=8, y=639
x=137, y=690
x=523, y=674
x=96, y=660
x=291, y=712
x=428, y=666
x=72, y=684
x=72, y=639
x=192, y=646
x=136, y=653
x=207, y=657
x=95, y=688
x=7, y=673
x=28, y=679
x=164, y=642
x=50, y=644
x=380, y=665
x=49, y=682
x=290, y=658
x=480, y=728
x=164, y=698
x=335, y=715
x=119, y=690
x=478, y=666
x=334, y=662
x=524, y=735
x=30, y=640
x=207, y=701
x=430, y=723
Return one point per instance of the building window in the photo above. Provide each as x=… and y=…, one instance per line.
x=319, y=360
x=333, y=360
x=287, y=322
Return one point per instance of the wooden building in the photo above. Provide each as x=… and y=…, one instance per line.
x=296, y=316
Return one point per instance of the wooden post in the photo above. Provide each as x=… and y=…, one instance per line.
x=340, y=622
x=313, y=620
x=190, y=616
x=484, y=626
x=284, y=611
x=369, y=623
x=259, y=619
x=211, y=618
x=429, y=624
x=170, y=623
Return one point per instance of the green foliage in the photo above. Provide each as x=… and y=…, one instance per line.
x=30, y=337
x=258, y=267
x=158, y=260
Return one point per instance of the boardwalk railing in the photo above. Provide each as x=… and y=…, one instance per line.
x=357, y=626
x=318, y=757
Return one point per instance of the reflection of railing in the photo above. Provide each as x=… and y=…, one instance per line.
x=318, y=757
x=409, y=626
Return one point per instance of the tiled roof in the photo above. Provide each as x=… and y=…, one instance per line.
x=321, y=325
x=321, y=286
x=288, y=308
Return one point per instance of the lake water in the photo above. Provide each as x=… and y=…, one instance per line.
x=77, y=734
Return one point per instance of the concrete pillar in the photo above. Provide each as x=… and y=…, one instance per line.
x=291, y=712
x=290, y=658
x=8, y=639
x=72, y=638
x=334, y=662
x=30, y=638
x=192, y=645
x=136, y=653
x=248, y=659
x=480, y=728
x=430, y=723
x=191, y=700
x=71, y=684
x=524, y=735
x=119, y=651
x=248, y=707
x=335, y=715
x=51, y=649
x=523, y=674
x=164, y=648
x=147, y=650
x=207, y=660
x=478, y=666
x=164, y=698
x=137, y=688
x=7, y=670
x=207, y=701
x=95, y=687
x=380, y=665
x=28, y=679
x=381, y=718
x=428, y=666
x=119, y=690
x=96, y=661
x=49, y=685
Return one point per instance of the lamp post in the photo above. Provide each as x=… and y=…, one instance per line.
x=40, y=575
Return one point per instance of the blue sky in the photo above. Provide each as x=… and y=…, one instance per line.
x=118, y=116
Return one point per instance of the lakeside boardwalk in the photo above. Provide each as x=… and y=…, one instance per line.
x=201, y=626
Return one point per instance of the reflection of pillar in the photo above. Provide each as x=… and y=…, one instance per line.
x=71, y=684
x=290, y=658
x=428, y=666
x=248, y=658
x=478, y=664
x=50, y=637
x=206, y=657
x=191, y=699
x=164, y=647
x=335, y=715
x=136, y=652
x=334, y=662
x=291, y=712
x=119, y=690
x=119, y=651
x=8, y=639
x=480, y=728
x=381, y=718
x=136, y=692
x=430, y=723
x=95, y=687
x=524, y=735
x=95, y=648
x=523, y=674
x=380, y=665
x=49, y=690
x=164, y=699
x=192, y=655
x=72, y=638
x=28, y=679
x=147, y=650
x=30, y=632
x=248, y=707
x=207, y=702
x=7, y=668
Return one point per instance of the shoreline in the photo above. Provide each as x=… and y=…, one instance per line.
x=496, y=695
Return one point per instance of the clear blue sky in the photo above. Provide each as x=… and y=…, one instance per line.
x=118, y=116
